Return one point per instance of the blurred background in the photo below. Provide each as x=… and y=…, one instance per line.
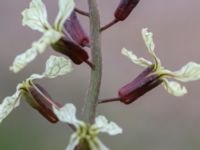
x=156, y=121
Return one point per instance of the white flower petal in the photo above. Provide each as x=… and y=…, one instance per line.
x=9, y=103
x=148, y=39
x=96, y=144
x=104, y=126
x=57, y=66
x=23, y=59
x=139, y=61
x=101, y=122
x=36, y=76
x=73, y=142
x=67, y=114
x=65, y=9
x=49, y=37
x=189, y=72
x=174, y=88
x=36, y=16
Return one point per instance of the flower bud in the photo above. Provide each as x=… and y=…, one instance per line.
x=124, y=9
x=43, y=102
x=74, y=28
x=138, y=87
x=76, y=53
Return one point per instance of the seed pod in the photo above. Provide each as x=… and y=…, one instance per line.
x=74, y=28
x=44, y=102
x=76, y=53
x=124, y=9
x=132, y=91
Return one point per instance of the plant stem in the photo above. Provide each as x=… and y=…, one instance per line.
x=91, y=100
x=117, y=99
x=109, y=25
x=82, y=12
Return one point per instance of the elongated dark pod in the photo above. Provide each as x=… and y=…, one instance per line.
x=43, y=102
x=125, y=8
x=75, y=52
x=76, y=31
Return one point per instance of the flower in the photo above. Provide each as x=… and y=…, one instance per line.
x=55, y=66
x=84, y=132
x=35, y=17
x=156, y=73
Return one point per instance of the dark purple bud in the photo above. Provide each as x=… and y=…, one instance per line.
x=75, y=30
x=138, y=87
x=124, y=9
x=75, y=52
x=43, y=102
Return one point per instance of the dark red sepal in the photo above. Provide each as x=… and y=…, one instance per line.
x=75, y=30
x=44, y=102
x=125, y=8
x=138, y=87
x=83, y=145
x=76, y=53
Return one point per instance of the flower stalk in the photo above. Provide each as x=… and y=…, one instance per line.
x=91, y=99
x=117, y=99
x=82, y=12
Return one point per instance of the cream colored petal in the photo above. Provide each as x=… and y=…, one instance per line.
x=9, y=103
x=57, y=66
x=174, y=88
x=22, y=60
x=148, y=39
x=74, y=141
x=96, y=144
x=139, y=61
x=36, y=76
x=189, y=72
x=49, y=37
x=65, y=9
x=108, y=127
x=35, y=16
x=67, y=114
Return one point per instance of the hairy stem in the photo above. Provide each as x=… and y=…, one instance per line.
x=91, y=100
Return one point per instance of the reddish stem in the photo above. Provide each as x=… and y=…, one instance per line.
x=90, y=64
x=109, y=25
x=82, y=12
x=109, y=100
